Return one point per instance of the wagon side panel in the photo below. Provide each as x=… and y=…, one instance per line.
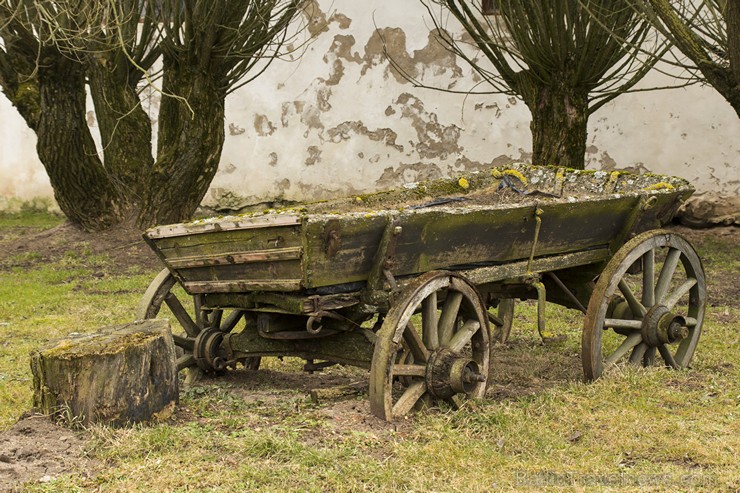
x=341, y=249
x=458, y=238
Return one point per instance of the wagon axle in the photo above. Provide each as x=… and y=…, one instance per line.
x=660, y=326
x=449, y=373
x=209, y=352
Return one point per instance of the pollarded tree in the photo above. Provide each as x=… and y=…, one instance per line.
x=564, y=58
x=209, y=49
x=51, y=48
x=44, y=63
x=707, y=33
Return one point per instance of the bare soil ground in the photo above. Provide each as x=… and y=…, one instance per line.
x=35, y=449
x=30, y=246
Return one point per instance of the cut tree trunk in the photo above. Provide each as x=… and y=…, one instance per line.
x=120, y=375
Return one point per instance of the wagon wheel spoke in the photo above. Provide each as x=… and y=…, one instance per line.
x=185, y=361
x=665, y=353
x=615, y=323
x=429, y=321
x=410, y=397
x=648, y=358
x=464, y=335
x=198, y=310
x=402, y=370
x=181, y=314
x=231, y=320
x=415, y=344
x=648, y=278
x=634, y=304
x=183, y=342
x=638, y=354
x=214, y=320
x=454, y=402
x=666, y=273
x=663, y=316
x=671, y=301
x=503, y=320
x=447, y=358
x=629, y=342
x=448, y=317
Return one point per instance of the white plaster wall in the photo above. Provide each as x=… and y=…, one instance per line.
x=22, y=176
x=338, y=121
x=690, y=132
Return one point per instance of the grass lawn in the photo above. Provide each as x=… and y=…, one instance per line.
x=540, y=428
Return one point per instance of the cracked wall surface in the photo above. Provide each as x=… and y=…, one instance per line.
x=342, y=120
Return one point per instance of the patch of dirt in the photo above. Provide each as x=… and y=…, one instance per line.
x=36, y=450
x=522, y=367
x=340, y=394
x=26, y=247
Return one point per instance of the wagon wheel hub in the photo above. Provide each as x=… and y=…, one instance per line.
x=448, y=374
x=660, y=326
x=208, y=352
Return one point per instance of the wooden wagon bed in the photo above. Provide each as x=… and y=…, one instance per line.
x=506, y=216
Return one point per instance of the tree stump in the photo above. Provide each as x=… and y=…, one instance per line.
x=120, y=375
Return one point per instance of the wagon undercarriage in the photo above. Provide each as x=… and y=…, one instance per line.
x=416, y=296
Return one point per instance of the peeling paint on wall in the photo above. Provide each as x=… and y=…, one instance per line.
x=314, y=155
x=346, y=130
x=342, y=120
x=262, y=126
x=434, y=140
x=391, y=42
x=235, y=129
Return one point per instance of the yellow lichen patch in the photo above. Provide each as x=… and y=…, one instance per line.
x=559, y=181
x=660, y=186
x=463, y=183
x=611, y=184
x=510, y=172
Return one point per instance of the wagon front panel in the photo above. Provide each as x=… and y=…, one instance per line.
x=245, y=254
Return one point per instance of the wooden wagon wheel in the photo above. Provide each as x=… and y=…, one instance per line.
x=196, y=333
x=448, y=342
x=650, y=298
x=503, y=320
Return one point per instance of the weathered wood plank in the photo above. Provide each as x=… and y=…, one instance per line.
x=231, y=258
x=512, y=270
x=229, y=241
x=196, y=287
x=453, y=237
x=216, y=225
x=349, y=257
x=284, y=269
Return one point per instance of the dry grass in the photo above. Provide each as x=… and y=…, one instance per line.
x=541, y=428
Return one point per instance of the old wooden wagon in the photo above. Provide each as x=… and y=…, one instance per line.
x=408, y=282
